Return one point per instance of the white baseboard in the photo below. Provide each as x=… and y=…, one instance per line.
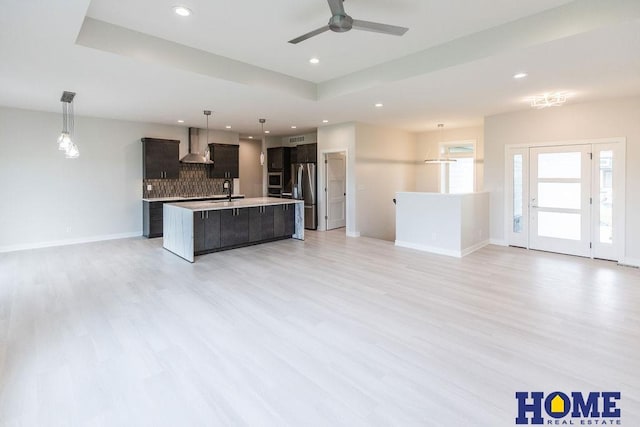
x=473, y=248
x=426, y=248
x=498, y=242
x=40, y=245
x=353, y=234
x=630, y=262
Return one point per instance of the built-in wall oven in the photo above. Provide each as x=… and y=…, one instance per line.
x=274, y=184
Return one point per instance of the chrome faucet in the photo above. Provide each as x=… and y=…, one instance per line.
x=227, y=185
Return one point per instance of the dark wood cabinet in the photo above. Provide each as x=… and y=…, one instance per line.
x=276, y=159
x=152, y=219
x=226, y=161
x=284, y=222
x=260, y=223
x=160, y=158
x=307, y=153
x=234, y=227
x=206, y=231
x=293, y=155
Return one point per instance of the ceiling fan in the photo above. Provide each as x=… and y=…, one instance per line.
x=340, y=22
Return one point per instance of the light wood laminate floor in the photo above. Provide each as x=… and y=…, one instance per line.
x=333, y=331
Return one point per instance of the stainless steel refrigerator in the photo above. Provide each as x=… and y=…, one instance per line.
x=304, y=188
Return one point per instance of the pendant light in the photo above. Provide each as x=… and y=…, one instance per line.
x=440, y=160
x=207, y=152
x=65, y=140
x=262, y=122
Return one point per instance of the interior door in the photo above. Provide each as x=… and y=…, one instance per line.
x=336, y=190
x=560, y=209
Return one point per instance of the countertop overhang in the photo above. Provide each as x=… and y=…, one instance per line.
x=181, y=198
x=240, y=203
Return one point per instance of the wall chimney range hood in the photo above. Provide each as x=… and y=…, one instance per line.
x=195, y=156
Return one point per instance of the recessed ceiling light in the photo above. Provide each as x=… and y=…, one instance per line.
x=325, y=121
x=314, y=61
x=520, y=76
x=267, y=131
x=180, y=121
x=182, y=11
x=379, y=105
x=250, y=137
x=294, y=127
x=228, y=126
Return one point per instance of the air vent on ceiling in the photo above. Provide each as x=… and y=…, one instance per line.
x=296, y=139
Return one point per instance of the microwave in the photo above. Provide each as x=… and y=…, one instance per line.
x=275, y=180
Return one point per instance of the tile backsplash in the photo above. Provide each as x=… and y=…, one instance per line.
x=194, y=181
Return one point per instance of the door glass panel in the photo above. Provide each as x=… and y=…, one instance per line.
x=517, y=193
x=559, y=165
x=559, y=195
x=606, y=196
x=559, y=225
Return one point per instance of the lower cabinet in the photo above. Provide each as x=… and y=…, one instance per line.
x=284, y=222
x=152, y=219
x=206, y=231
x=260, y=223
x=228, y=228
x=234, y=226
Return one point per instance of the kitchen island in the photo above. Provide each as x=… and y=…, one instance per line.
x=195, y=228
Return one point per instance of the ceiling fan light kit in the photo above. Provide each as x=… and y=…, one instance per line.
x=340, y=22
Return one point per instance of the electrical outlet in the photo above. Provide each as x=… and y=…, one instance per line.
x=149, y=187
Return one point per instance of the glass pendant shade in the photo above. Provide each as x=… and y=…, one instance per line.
x=64, y=140
x=72, y=151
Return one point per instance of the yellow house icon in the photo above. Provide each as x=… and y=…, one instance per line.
x=557, y=404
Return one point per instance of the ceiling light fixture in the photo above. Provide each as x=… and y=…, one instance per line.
x=550, y=99
x=182, y=11
x=267, y=131
x=228, y=127
x=294, y=127
x=440, y=160
x=325, y=121
x=65, y=141
x=520, y=76
x=314, y=61
x=180, y=121
x=379, y=105
x=250, y=137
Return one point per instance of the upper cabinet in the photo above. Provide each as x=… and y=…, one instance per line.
x=278, y=159
x=226, y=161
x=307, y=153
x=160, y=158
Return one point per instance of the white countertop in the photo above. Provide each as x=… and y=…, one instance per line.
x=178, y=198
x=240, y=203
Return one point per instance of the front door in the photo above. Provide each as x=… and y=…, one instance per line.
x=559, y=199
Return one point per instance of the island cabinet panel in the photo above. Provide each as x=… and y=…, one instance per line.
x=234, y=226
x=206, y=231
x=260, y=223
x=160, y=158
x=226, y=161
x=284, y=220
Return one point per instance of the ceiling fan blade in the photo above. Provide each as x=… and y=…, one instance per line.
x=337, y=8
x=379, y=28
x=309, y=35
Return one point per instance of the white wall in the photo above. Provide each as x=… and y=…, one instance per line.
x=385, y=164
x=428, y=146
x=340, y=137
x=603, y=119
x=47, y=199
x=250, y=169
